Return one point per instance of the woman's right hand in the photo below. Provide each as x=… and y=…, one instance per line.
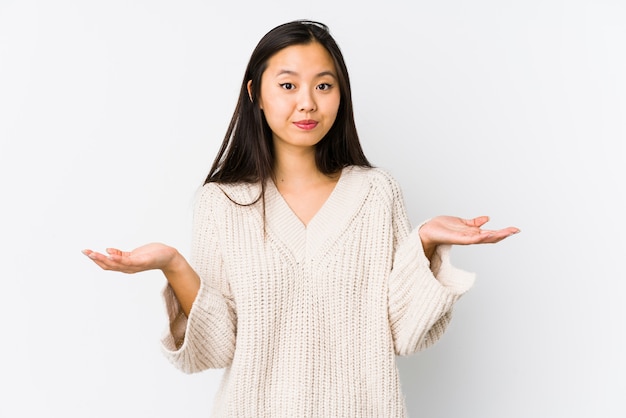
x=181, y=277
x=147, y=257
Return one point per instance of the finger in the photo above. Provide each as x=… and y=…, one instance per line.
x=505, y=232
x=478, y=221
x=109, y=263
x=113, y=262
x=96, y=256
x=117, y=255
x=493, y=236
x=512, y=230
x=91, y=254
x=100, y=259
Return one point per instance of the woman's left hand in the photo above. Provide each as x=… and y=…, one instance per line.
x=450, y=230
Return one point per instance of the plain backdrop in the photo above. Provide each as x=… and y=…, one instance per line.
x=111, y=113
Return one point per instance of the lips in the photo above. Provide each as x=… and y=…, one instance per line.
x=306, y=124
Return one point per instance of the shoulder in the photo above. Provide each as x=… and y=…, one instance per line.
x=214, y=196
x=380, y=180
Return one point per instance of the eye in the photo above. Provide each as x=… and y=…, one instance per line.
x=287, y=86
x=324, y=86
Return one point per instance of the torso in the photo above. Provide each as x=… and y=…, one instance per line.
x=312, y=299
x=313, y=336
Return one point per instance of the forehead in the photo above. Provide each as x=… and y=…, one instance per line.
x=306, y=59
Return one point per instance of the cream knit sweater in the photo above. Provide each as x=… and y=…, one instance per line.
x=307, y=321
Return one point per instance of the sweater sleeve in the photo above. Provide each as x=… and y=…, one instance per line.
x=207, y=338
x=421, y=295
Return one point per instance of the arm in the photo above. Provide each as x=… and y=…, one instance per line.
x=423, y=284
x=201, y=311
x=422, y=294
x=205, y=336
x=184, y=281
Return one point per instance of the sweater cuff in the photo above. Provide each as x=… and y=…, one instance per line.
x=457, y=280
x=173, y=338
x=454, y=279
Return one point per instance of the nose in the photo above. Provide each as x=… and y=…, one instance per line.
x=306, y=101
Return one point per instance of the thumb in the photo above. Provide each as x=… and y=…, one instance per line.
x=478, y=221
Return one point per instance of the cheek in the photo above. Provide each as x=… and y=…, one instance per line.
x=276, y=110
x=334, y=106
x=334, y=101
x=273, y=116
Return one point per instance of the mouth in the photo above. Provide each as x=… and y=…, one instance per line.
x=307, y=125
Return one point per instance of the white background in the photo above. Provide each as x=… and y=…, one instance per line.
x=111, y=113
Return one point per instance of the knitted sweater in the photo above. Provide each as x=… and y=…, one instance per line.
x=307, y=320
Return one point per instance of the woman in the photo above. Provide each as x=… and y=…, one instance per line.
x=306, y=279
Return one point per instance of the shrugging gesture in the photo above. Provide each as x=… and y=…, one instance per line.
x=308, y=282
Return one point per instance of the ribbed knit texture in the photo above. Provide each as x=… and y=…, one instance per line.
x=308, y=320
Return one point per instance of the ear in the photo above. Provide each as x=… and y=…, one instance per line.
x=249, y=86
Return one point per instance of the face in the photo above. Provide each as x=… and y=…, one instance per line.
x=300, y=95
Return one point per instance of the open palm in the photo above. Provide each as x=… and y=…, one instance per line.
x=147, y=257
x=451, y=230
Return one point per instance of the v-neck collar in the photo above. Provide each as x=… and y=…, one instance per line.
x=305, y=241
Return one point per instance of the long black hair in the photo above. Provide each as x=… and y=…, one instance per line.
x=246, y=154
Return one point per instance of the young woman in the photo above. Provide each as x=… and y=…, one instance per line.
x=306, y=279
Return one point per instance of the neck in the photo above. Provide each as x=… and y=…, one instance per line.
x=294, y=162
x=296, y=167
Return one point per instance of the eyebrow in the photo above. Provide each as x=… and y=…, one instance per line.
x=318, y=75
